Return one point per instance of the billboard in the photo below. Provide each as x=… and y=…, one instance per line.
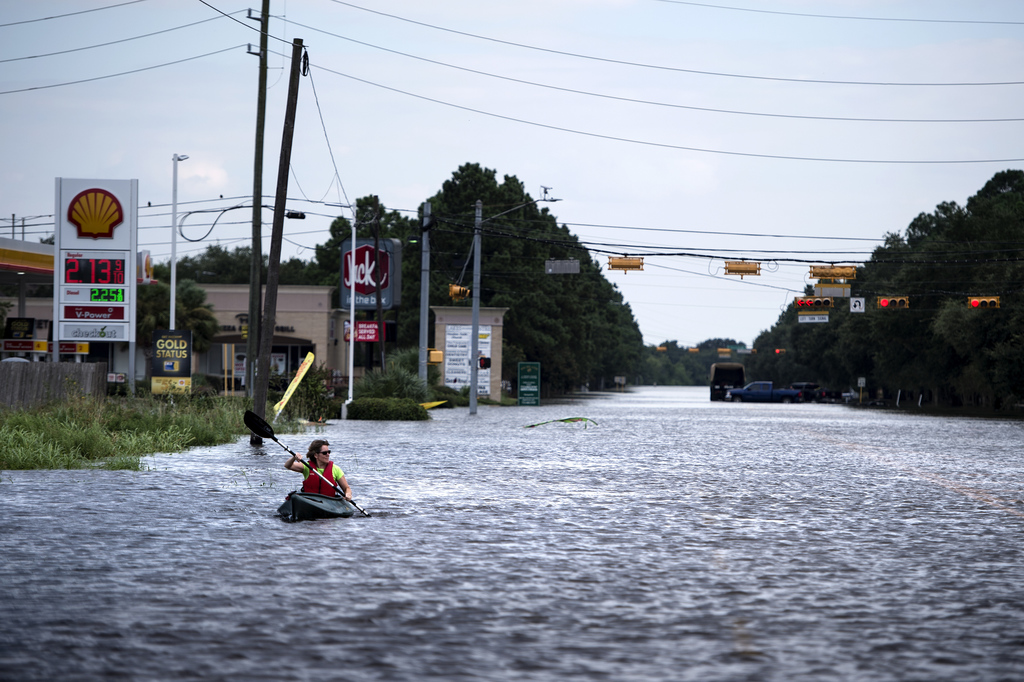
x=458, y=365
x=172, y=361
x=361, y=266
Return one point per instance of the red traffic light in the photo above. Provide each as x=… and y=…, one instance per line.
x=984, y=301
x=813, y=302
x=893, y=302
x=779, y=351
x=485, y=363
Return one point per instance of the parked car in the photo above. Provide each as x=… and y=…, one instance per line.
x=763, y=392
x=814, y=393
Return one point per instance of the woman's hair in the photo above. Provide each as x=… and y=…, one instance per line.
x=314, y=448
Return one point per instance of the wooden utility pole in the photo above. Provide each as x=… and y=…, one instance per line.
x=262, y=380
x=256, y=264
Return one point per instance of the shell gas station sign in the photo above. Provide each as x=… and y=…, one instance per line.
x=95, y=250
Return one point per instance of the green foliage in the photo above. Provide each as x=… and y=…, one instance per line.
x=114, y=433
x=5, y=307
x=576, y=326
x=312, y=400
x=669, y=365
x=153, y=311
x=387, y=409
x=451, y=397
x=938, y=348
x=409, y=360
x=396, y=382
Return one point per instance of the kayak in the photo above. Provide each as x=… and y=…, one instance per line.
x=307, y=506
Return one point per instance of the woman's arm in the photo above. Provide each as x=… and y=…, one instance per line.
x=343, y=484
x=295, y=464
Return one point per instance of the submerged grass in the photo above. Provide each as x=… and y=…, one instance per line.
x=114, y=433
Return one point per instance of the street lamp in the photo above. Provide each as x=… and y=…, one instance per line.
x=174, y=234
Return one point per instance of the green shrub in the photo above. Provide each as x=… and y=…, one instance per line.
x=387, y=409
x=311, y=400
x=394, y=383
x=451, y=397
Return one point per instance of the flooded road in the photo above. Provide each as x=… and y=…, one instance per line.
x=675, y=539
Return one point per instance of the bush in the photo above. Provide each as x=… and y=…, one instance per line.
x=387, y=409
x=311, y=400
x=396, y=382
x=451, y=397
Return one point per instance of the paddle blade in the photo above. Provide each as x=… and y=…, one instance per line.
x=257, y=425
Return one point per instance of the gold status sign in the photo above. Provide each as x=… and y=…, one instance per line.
x=172, y=361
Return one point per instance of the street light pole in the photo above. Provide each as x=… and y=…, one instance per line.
x=174, y=235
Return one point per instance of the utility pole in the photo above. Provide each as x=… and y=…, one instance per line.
x=474, y=362
x=424, y=287
x=252, y=348
x=262, y=379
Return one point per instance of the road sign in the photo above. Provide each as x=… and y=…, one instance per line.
x=529, y=383
x=857, y=305
x=813, y=318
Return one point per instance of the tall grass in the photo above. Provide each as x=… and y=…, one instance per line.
x=114, y=433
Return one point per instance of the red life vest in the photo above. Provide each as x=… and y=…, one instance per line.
x=315, y=484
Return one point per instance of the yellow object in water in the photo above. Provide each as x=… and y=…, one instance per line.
x=435, y=404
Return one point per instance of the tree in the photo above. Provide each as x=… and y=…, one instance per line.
x=192, y=312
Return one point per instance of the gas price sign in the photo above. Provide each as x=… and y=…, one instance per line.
x=82, y=269
x=96, y=244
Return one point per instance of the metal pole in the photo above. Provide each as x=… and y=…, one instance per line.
x=351, y=316
x=474, y=365
x=424, y=288
x=174, y=235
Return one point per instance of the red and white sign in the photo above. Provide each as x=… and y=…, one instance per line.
x=365, y=268
x=93, y=312
x=367, y=331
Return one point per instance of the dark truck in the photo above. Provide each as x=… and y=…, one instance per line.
x=764, y=392
x=725, y=376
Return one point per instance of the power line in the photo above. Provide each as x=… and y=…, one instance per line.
x=844, y=17
x=718, y=74
x=123, y=73
x=660, y=104
x=70, y=14
x=664, y=145
x=112, y=42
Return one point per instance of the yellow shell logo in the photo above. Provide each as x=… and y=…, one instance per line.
x=95, y=212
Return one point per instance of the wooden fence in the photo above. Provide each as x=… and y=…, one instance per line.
x=24, y=384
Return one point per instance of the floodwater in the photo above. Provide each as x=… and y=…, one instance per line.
x=675, y=539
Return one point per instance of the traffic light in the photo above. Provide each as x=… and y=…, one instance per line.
x=812, y=303
x=457, y=293
x=893, y=302
x=780, y=351
x=625, y=263
x=983, y=301
x=485, y=363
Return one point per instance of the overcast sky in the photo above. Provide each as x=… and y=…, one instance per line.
x=780, y=130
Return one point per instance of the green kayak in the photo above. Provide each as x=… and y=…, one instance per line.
x=300, y=506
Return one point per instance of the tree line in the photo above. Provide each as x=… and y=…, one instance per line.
x=576, y=325
x=939, y=349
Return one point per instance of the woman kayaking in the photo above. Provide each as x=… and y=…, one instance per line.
x=319, y=455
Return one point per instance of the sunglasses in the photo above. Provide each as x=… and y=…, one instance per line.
x=324, y=452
